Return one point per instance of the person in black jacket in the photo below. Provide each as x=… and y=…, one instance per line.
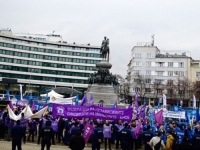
x=77, y=142
x=46, y=134
x=61, y=125
x=17, y=133
x=185, y=144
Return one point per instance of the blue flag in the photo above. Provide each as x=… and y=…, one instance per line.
x=46, y=98
x=114, y=105
x=158, y=103
x=8, y=95
x=77, y=99
x=144, y=101
x=152, y=119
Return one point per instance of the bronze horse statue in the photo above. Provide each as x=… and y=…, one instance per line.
x=105, y=49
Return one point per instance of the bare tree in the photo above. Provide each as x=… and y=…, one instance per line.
x=157, y=88
x=171, y=88
x=183, y=88
x=195, y=89
x=142, y=86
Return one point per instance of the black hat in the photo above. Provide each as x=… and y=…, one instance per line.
x=48, y=123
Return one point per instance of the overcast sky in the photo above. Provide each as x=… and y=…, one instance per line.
x=175, y=23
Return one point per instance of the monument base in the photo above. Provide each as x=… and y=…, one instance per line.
x=102, y=93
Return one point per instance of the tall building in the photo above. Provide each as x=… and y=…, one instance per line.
x=152, y=72
x=40, y=62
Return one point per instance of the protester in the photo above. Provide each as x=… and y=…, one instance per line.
x=134, y=143
x=147, y=136
x=170, y=140
x=17, y=133
x=61, y=124
x=196, y=140
x=32, y=128
x=46, y=134
x=156, y=143
x=117, y=131
x=54, y=125
x=185, y=144
x=77, y=141
x=97, y=137
x=107, y=131
x=126, y=138
x=24, y=122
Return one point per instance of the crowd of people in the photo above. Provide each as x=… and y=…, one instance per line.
x=106, y=134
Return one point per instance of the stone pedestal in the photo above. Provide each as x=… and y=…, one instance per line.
x=102, y=93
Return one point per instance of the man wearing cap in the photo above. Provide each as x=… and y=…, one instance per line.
x=46, y=134
x=17, y=133
x=147, y=136
x=126, y=137
x=170, y=139
x=97, y=137
x=189, y=133
x=157, y=142
x=196, y=139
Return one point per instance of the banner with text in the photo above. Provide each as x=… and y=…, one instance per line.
x=173, y=114
x=92, y=112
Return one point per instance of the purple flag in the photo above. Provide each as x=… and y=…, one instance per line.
x=136, y=100
x=159, y=117
x=84, y=100
x=137, y=129
x=91, y=100
x=11, y=105
x=87, y=132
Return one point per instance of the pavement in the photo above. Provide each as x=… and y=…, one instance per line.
x=5, y=145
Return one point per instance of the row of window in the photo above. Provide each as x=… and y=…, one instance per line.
x=46, y=64
x=159, y=64
x=54, y=58
x=51, y=45
x=45, y=71
x=21, y=76
x=161, y=73
x=138, y=55
x=49, y=50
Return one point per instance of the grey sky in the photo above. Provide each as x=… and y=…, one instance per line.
x=175, y=23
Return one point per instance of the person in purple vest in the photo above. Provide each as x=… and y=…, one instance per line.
x=24, y=122
x=107, y=130
x=54, y=125
x=32, y=128
x=134, y=143
x=117, y=129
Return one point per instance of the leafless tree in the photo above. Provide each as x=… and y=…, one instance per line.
x=171, y=88
x=142, y=85
x=157, y=88
x=195, y=89
x=183, y=88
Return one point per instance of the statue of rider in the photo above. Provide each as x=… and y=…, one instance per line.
x=105, y=48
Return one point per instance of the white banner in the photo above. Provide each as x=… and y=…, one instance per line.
x=164, y=101
x=27, y=113
x=62, y=100
x=194, y=102
x=173, y=114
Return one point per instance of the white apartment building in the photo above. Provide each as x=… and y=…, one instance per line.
x=151, y=73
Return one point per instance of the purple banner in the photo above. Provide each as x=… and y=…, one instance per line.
x=92, y=112
x=87, y=132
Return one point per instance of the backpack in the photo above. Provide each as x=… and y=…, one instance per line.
x=157, y=146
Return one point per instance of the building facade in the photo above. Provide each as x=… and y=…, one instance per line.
x=40, y=62
x=153, y=73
